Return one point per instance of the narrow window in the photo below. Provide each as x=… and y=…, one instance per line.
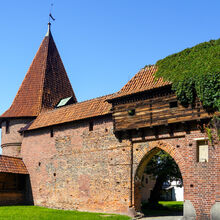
x=173, y=104
x=7, y=130
x=91, y=126
x=51, y=132
x=203, y=151
x=146, y=180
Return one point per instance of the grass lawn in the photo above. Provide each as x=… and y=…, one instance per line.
x=164, y=208
x=40, y=213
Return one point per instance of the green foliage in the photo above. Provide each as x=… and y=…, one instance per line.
x=194, y=72
x=209, y=133
x=163, y=166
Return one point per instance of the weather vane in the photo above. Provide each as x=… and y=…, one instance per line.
x=50, y=15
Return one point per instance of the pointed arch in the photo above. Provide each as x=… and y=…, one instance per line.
x=142, y=157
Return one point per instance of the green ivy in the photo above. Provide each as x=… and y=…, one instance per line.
x=194, y=72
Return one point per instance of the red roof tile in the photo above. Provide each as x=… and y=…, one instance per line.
x=12, y=165
x=142, y=81
x=45, y=83
x=82, y=110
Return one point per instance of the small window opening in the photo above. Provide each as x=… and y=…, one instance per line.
x=202, y=151
x=51, y=132
x=131, y=112
x=173, y=104
x=91, y=125
x=54, y=174
x=146, y=180
x=7, y=130
x=39, y=164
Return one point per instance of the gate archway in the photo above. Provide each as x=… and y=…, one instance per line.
x=143, y=153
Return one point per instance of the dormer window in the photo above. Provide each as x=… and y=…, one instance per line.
x=65, y=101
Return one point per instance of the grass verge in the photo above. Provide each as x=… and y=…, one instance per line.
x=40, y=213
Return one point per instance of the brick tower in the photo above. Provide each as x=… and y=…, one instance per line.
x=44, y=85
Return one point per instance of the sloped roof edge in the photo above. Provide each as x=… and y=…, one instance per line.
x=10, y=164
x=74, y=112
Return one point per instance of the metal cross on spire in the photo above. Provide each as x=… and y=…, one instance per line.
x=49, y=24
x=50, y=15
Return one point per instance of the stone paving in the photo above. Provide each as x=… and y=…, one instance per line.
x=163, y=218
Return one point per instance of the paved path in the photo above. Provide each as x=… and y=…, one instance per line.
x=163, y=218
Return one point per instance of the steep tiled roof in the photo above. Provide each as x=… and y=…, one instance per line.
x=45, y=83
x=12, y=165
x=82, y=110
x=142, y=81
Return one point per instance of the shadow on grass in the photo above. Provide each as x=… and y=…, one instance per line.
x=162, y=209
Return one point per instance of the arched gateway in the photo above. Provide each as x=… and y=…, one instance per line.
x=143, y=153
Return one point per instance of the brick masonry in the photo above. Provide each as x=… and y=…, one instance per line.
x=91, y=170
x=11, y=141
x=78, y=168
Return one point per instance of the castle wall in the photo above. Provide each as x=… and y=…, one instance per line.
x=91, y=170
x=11, y=140
x=78, y=168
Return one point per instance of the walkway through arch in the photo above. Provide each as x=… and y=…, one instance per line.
x=143, y=153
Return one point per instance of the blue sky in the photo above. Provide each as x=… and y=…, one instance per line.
x=102, y=43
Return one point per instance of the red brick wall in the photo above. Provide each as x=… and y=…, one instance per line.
x=91, y=170
x=200, y=179
x=11, y=141
x=78, y=168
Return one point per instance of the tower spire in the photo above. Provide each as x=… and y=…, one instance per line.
x=48, y=30
x=44, y=85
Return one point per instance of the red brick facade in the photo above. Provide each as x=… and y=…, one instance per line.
x=91, y=170
x=78, y=168
x=12, y=139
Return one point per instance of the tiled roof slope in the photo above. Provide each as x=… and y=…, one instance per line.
x=12, y=165
x=142, y=81
x=82, y=110
x=45, y=83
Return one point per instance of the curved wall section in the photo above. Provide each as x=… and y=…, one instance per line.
x=11, y=138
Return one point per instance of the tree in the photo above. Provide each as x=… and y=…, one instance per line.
x=164, y=168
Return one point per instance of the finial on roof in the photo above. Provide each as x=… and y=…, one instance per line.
x=48, y=30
